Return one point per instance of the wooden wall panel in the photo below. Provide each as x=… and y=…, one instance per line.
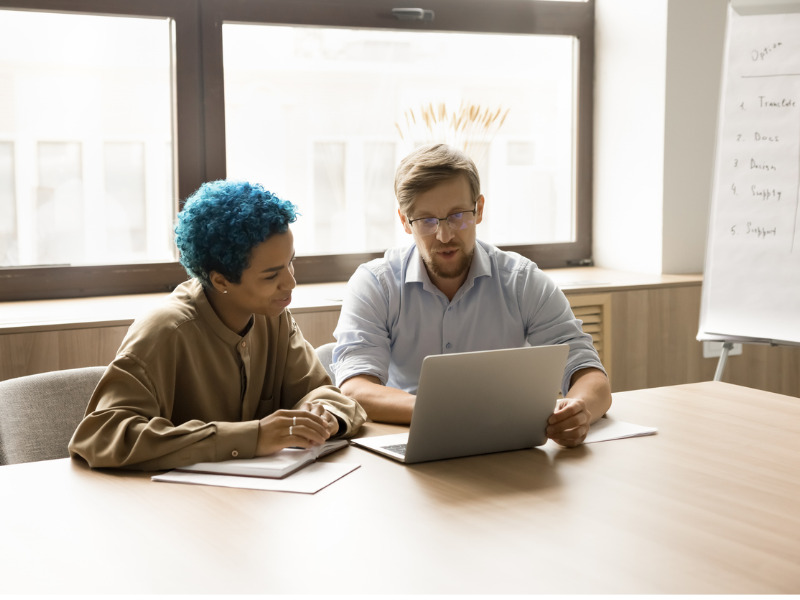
x=28, y=353
x=654, y=333
x=89, y=347
x=655, y=345
x=42, y=351
x=771, y=368
x=317, y=327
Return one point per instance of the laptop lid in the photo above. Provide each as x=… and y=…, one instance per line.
x=480, y=402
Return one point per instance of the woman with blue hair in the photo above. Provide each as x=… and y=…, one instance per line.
x=220, y=370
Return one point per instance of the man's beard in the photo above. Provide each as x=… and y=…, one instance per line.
x=451, y=271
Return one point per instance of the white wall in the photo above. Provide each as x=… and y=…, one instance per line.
x=657, y=91
x=695, y=43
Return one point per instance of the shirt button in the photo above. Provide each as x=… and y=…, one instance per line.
x=244, y=344
x=235, y=453
x=448, y=345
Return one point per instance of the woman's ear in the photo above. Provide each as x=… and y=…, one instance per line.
x=404, y=221
x=218, y=282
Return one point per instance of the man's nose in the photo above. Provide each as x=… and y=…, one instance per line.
x=445, y=233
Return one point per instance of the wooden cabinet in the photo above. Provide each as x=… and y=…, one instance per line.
x=654, y=344
x=26, y=353
x=594, y=310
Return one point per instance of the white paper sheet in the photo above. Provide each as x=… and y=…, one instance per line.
x=308, y=480
x=610, y=429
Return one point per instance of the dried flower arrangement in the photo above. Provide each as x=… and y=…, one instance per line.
x=469, y=128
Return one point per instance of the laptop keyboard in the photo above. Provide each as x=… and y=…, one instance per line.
x=398, y=448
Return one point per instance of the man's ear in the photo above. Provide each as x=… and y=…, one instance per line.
x=479, y=209
x=404, y=221
x=218, y=282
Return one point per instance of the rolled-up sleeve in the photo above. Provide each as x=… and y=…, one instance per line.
x=363, y=332
x=306, y=380
x=550, y=320
x=128, y=425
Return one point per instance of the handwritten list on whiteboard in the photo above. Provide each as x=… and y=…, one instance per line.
x=751, y=287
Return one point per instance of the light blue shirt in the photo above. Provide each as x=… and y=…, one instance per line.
x=393, y=316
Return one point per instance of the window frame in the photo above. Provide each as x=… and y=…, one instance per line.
x=200, y=117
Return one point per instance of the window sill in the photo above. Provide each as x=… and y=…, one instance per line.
x=111, y=311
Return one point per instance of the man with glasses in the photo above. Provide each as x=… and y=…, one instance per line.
x=450, y=292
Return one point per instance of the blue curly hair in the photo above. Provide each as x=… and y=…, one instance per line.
x=222, y=222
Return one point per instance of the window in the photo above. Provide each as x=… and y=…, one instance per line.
x=318, y=113
x=90, y=107
x=316, y=100
x=91, y=110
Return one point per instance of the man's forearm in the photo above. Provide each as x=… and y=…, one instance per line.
x=382, y=403
x=592, y=385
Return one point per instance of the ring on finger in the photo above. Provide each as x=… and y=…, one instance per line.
x=294, y=421
x=290, y=430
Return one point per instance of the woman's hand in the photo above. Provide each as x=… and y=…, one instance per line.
x=331, y=422
x=311, y=425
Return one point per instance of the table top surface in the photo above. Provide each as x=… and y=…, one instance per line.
x=710, y=504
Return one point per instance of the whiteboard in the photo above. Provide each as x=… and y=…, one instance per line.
x=751, y=285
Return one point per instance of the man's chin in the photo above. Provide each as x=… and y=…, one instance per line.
x=450, y=271
x=449, y=274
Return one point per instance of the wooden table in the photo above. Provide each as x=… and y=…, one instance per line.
x=711, y=504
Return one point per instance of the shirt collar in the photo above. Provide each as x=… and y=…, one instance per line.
x=417, y=273
x=209, y=315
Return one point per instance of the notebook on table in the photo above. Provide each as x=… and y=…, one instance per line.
x=276, y=466
x=478, y=403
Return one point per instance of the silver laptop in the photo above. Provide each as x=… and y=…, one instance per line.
x=478, y=403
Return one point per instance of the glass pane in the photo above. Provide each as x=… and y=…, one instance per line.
x=60, y=230
x=125, y=197
x=9, y=250
x=86, y=104
x=321, y=116
x=329, y=190
x=380, y=210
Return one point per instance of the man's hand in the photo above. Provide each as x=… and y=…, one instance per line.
x=588, y=399
x=569, y=423
x=309, y=426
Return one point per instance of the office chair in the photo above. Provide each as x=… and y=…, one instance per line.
x=39, y=413
x=325, y=354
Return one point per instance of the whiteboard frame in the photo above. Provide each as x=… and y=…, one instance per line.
x=744, y=8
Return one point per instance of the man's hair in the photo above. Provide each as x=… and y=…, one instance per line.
x=222, y=222
x=426, y=167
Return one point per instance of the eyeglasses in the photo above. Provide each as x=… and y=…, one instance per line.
x=457, y=221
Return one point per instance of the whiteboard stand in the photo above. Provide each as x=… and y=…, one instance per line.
x=723, y=358
x=754, y=222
